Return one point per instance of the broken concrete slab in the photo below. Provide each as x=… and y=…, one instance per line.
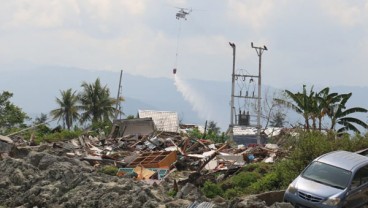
x=6, y=139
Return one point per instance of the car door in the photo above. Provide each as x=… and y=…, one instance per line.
x=358, y=193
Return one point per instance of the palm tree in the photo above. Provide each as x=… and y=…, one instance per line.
x=96, y=103
x=278, y=119
x=68, y=110
x=339, y=115
x=41, y=119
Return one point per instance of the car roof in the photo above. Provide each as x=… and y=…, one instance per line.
x=343, y=159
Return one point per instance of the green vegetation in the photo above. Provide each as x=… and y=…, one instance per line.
x=95, y=103
x=64, y=135
x=314, y=106
x=68, y=110
x=213, y=133
x=94, y=107
x=11, y=116
x=303, y=148
x=109, y=170
x=238, y=184
x=212, y=189
x=172, y=193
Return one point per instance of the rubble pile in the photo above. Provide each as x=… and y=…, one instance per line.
x=153, y=170
x=44, y=180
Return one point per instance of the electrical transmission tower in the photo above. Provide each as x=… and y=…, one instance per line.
x=246, y=94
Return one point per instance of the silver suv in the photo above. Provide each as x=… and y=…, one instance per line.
x=336, y=179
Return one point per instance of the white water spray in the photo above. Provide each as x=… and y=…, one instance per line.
x=197, y=101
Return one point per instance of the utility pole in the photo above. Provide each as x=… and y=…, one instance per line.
x=118, y=106
x=232, y=91
x=259, y=51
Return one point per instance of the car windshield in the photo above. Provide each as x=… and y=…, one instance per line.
x=327, y=174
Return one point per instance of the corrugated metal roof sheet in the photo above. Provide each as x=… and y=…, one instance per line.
x=201, y=205
x=245, y=130
x=164, y=120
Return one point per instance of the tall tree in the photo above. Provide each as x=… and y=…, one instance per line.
x=316, y=105
x=340, y=115
x=324, y=101
x=96, y=103
x=278, y=119
x=68, y=108
x=213, y=128
x=301, y=102
x=10, y=114
x=271, y=110
x=41, y=119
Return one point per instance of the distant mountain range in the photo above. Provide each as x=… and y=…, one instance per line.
x=35, y=89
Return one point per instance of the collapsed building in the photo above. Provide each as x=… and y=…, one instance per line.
x=154, y=149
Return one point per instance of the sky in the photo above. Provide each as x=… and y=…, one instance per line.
x=316, y=42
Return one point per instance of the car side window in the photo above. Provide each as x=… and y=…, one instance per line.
x=360, y=177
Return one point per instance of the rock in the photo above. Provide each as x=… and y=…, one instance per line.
x=46, y=161
x=178, y=203
x=185, y=190
x=271, y=197
x=17, y=178
x=142, y=197
x=44, y=178
x=158, y=195
x=219, y=199
x=150, y=204
x=5, y=147
x=19, y=152
x=6, y=139
x=251, y=202
x=282, y=205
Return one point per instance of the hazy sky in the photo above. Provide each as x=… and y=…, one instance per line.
x=320, y=42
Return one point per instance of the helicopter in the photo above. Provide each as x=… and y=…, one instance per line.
x=182, y=13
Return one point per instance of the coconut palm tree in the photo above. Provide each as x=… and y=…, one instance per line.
x=68, y=110
x=41, y=119
x=96, y=103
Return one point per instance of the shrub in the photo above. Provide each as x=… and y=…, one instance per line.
x=260, y=168
x=233, y=192
x=195, y=133
x=58, y=136
x=287, y=170
x=359, y=142
x=269, y=182
x=172, y=193
x=244, y=179
x=109, y=170
x=211, y=190
x=261, y=177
